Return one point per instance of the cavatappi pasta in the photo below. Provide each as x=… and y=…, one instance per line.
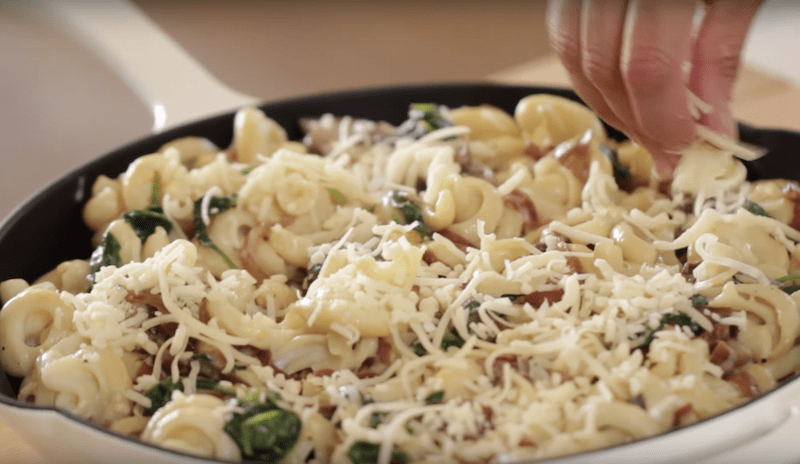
x=469, y=286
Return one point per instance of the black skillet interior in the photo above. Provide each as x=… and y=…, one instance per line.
x=47, y=229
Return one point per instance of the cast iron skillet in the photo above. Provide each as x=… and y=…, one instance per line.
x=47, y=229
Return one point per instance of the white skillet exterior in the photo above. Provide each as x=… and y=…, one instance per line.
x=764, y=430
x=164, y=77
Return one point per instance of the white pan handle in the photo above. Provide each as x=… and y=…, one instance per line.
x=172, y=84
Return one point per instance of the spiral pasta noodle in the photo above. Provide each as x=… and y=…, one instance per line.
x=468, y=286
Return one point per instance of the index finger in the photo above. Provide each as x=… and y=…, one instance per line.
x=656, y=43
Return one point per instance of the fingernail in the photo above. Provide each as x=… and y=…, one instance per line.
x=665, y=164
x=727, y=125
x=721, y=120
x=678, y=137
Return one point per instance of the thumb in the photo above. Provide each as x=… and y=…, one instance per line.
x=717, y=59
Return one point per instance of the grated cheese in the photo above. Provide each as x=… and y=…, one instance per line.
x=517, y=308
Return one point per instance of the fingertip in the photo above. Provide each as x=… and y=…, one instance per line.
x=716, y=94
x=659, y=102
x=675, y=136
x=717, y=59
x=656, y=43
x=665, y=163
x=722, y=121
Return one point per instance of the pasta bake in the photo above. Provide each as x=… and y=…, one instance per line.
x=468, y=286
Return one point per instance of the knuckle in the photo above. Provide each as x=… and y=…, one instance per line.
x=724, y=60
x=650, y=68
x=568, y=49
x=601, y=68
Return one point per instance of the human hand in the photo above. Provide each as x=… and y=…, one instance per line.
x=634, y=62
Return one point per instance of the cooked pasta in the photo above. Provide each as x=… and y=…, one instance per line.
x=468, y=286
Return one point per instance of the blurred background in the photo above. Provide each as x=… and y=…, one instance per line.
x=60, y=105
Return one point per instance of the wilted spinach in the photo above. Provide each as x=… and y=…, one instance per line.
x=216, y=206
x=681, y=319
x=365, y=452
x=161, y=393
x=106, y=254
x=423, y=119
x=145, y=221
x=263, y=431
x=411, y=212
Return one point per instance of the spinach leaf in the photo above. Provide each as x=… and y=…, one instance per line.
x=155, y=190
x=472, y=304
x=338, y=197
x=376, y=419
x=756, y=209
x=431, y=119
x=472, y=308
x=699, y=301
x=411, y=212
x=787, y=278
x=216, y=205
x=145, y=221
x=790, y=289
x=208, y=384
x=418, y=349
x=435, y=397
x=106, y=254
x=451, y=338
x=161, y=393
x=313, y=273
x=784, y=281
x=423, y=118
x=682, y=319
x=205, y=357
x=622, y=174
x=264, y=432
x=365, y=452
x=255, y=396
